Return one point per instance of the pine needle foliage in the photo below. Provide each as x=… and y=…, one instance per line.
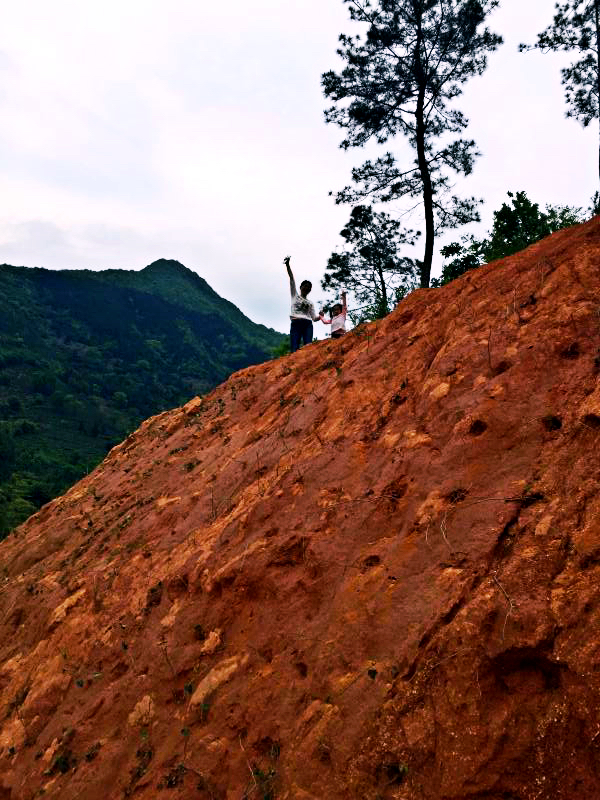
x=576, y=28
x=370, y=266
x=401, y=76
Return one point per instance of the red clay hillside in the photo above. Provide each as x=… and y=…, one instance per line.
x=370, y=570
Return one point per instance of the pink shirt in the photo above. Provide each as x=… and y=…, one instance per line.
x=338, y=323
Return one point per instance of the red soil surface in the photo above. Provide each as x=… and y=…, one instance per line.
x=368, y=570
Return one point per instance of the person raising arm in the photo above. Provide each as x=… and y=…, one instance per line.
x=338, y=318
x=302, y=314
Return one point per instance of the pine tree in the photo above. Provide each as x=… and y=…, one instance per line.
x=371, y=266
x=401, y=78
x=576, y=28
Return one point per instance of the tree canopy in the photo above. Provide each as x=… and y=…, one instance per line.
x=516, y=225
x=371, y=266
x=401, y=77
x=576, y=28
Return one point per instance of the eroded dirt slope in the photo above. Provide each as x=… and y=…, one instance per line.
x=368, y=570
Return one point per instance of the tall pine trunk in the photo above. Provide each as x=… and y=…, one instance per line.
x=422, y=155
x=384, y=298
x=597, y=17
x=427, y=193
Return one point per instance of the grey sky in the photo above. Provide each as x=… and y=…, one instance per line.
x=139, y=129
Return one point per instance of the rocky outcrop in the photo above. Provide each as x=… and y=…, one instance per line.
x=367, y=570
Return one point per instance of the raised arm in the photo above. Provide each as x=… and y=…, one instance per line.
x=286, y=261
x=344, y=303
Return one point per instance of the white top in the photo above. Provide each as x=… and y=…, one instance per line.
x=338, y=323
x=302, y=308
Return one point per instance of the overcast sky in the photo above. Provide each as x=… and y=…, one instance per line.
x=134, y=130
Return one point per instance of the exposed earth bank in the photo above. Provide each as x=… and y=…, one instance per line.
x=368, y=570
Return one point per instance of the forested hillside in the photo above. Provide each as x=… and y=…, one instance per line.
x=85, y=356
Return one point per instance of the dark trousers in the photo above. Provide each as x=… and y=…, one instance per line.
x=301, y=331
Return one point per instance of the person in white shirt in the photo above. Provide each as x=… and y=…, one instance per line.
x=302, y=313
x=338, y=318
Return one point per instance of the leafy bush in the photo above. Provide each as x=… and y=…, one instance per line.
x=516, y=226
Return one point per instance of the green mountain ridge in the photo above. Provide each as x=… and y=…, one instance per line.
x=86, y=355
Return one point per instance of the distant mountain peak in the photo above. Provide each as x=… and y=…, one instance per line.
x=166, y=264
